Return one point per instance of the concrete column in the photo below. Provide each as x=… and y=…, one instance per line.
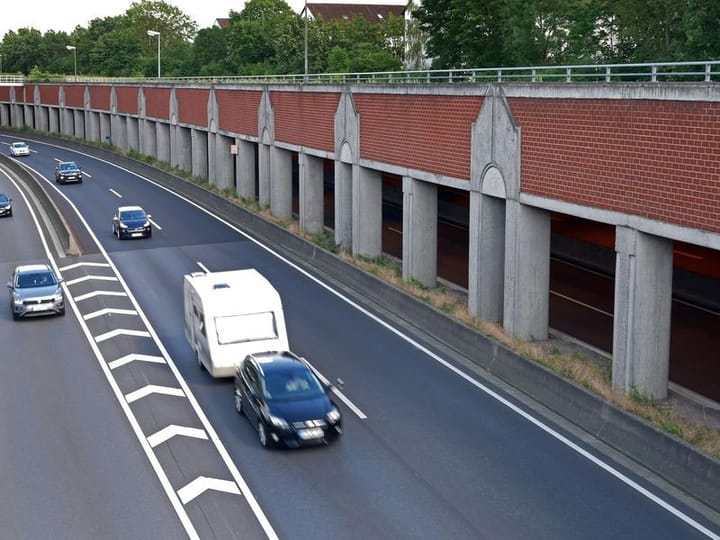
x=163, y=142
x=29, y=116
x=641, y=326
x=105, y=129
x=245, y=166
x=420, y=217
x=280, y=183
x=66, y=121
x=486, y=272
x=41, y=118
x=79, y=116
x=343, y=204
x=311, y=194
x=264, y=174
x=199, y=153
x=367, y=214
x=133, y=133
x=182, y=149
x=149, y=138
x=93, y=126
x=224, y=160
x=527, y=271
x=53, y=120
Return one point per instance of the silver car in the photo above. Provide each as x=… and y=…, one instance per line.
x=19, y=149
x=35, y=290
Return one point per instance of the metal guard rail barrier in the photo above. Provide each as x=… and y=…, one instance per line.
x=701, y=71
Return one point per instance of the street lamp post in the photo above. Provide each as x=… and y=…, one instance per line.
x=155, y=33
x=74, y=50
x=305, y=78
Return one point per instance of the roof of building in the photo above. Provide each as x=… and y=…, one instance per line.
x=222, y=22
x=373, y=13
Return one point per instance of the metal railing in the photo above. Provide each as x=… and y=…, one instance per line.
x=702, y=71
x=11, y=80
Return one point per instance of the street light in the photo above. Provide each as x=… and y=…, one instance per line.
x=155, y=33
x=305, y=78
x=74, y=50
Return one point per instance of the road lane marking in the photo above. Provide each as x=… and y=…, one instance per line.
x=136, y=357
x=151, y=389
x=81, y=264
x=88, y=278
x=168, y=432
x=121, y=332
x=202, y=484
x=115, y=193
x=158, y=227
x=203, y=267
x=93, y=294
x=109, y=311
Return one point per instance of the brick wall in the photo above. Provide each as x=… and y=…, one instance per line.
x=306, y=118
x=430, y=133
x=238, y=111
x=100, y=97
x=656, y=159
x=75, y=96
x=49, y=94
x=157, y=102
x=192, y=106
x=127, y=99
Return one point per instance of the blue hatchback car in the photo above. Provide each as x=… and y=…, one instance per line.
x=131, y=222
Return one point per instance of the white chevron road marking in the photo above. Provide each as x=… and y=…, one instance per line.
x=135, y=357
x=98, y=293
x=202, y=484
x=81, y=264
x=121, y=332
x=88, y=278
x=153, y=389
x=109, y=311
x=172, y=430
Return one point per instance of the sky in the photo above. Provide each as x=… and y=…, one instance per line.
x=65, y=15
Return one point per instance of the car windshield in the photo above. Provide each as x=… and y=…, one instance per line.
x=19, y=145
x=132, y=214
x=3, y=198
x=35, y=279
x=68, y=166
x=296, y=382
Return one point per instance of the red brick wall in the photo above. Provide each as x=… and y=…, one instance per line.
x=100, y=97
x=75, y=96
x=238, y=111
x=430, y=133
x=656, y=159
x=49, y=94
x=157, y=102
x=192, y=105
x=127, y=98
x=306, y=118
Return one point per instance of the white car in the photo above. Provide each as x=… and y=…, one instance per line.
x=19, y=149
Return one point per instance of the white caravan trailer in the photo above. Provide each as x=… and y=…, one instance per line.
x=229, y=315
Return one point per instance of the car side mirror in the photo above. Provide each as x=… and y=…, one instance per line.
x=148, y=216
x=115, y=219
x=9, y=285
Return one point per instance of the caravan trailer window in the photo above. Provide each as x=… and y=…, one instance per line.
x=242, y=328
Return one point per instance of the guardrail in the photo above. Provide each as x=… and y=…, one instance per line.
x=702, y=71
x=11, y=80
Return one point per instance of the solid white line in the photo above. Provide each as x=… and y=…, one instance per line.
x=202, y=484
x=93, y=294
x=168, y=432
x=588, y=306
x=80, y=264
x=121, y=332
x=115, y=193
x=158, y=227
x=135, y=357
x=108, y=311
x=135, y=426
x=88, y=278
x=151, y=389
x=203, y=267
x=361, y=415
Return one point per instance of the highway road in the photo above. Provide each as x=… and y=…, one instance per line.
x=432, y=449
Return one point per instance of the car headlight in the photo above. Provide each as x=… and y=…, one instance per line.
x=17, y=300
x=123, y=226
x=58, y=296
x=333, y=416
x=278, y=422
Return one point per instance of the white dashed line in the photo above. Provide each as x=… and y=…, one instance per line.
x=158, y=227
x=115, y=193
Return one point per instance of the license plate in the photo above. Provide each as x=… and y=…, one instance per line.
x=39, y=307
x=136, y=234
x=311, y=433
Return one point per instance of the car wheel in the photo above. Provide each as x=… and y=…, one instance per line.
x=15, y=315
x=199, y=363
x=238, y=403
x=262, y=435
x=149, y=234
x=62, y=312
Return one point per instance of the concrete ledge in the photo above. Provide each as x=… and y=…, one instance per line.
x=691, y=470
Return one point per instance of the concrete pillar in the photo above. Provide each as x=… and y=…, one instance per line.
x=343, y=204
x=29, y=116
x=367, y=214
x=148, y=140
x=41, y=118
x=163, y=141
x=105, y=129
x=245, y=166
x=527, y=271
x=280, y=183
x=224, y=163
x=212, y=158
x=93, y=132
x=133, y=133
x=486, y=272
x=182, y=148
x=311, y=194
x=264, y=174
x=4, y=115
x=79, y=125
x=53, y=120
x=641, y=326
x=420, y=217
x=199, y=153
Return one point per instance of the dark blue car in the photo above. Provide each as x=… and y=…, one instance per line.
x=131, y=222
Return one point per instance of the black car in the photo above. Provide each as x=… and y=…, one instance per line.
x=5, y=205
x=131, y=222
x=68, y=171
x=285, y=401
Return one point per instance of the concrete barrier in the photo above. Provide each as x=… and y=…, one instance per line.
x=691, y=470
